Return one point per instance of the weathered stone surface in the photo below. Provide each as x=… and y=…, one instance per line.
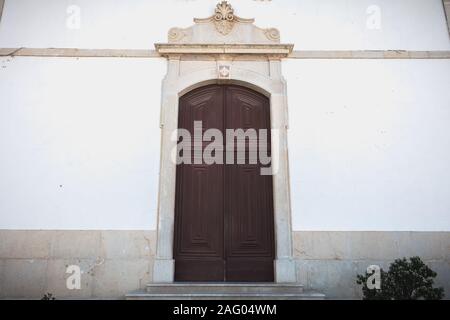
x=188, y=288
x=330, y=261
x=115, y=278
x=57, y=278
x=112, y=263
x=163, y=270
x=285, y=271
x=442, y=268
x=24, y=278
x=327, y=262
x=445, y=245
x=321, y=245
x=2, y=268
x=29, y=244
x=307, y=295
x=224, y=26
x=75, y=244
x=224, y=291
x=370, y=245
x=128, y=245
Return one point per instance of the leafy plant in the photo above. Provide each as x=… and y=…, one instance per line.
x=48, y=296
x=405, y=280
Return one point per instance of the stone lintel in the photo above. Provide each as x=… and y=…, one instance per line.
x=269, y=50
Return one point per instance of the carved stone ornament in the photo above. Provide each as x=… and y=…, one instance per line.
x=224, y=18
x=272, y=34
x=224, y=71
x=176, y=34
x=224, y=33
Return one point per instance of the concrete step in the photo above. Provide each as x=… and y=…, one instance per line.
x=225, y=296
x=224, y=288
x=224, y=291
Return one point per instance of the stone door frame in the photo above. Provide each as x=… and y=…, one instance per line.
x=225, y=60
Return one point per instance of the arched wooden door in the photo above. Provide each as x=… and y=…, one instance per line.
x=224, y=220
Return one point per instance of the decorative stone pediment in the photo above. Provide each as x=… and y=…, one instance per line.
x=224, y=18
x=224, y=32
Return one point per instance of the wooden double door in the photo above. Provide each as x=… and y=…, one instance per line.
x=224, y=220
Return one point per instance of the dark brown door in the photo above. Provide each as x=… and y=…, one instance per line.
x=224, y=229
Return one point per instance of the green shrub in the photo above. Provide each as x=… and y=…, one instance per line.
x=405, y=280
x=48, y=296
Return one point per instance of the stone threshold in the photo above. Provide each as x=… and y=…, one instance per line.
x=224, y=291
x=222, y=296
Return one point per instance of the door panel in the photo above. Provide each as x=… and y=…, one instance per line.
x=224, y=229
x=249, y=237
x=248, y=198
x=198, y=243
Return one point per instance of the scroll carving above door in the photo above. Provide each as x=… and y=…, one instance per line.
x=224, y=26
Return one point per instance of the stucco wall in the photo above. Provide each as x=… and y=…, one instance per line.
x=115, y=263
x=310, y=24
x=80, y=142
x=369, y=143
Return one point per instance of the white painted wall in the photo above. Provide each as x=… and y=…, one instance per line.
x=79, y=143
x=370, y=144
x=309, y=24
x=369, y=139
